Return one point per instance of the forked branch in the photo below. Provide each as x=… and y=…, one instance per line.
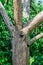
x=35, y=38
x=35, y=22
x=6, y=18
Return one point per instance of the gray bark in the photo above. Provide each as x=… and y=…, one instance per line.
x=19, y=46
x=26, y=13
x=35, y=38
x=35, y=23
x=17, y=13
x=19, y=41
x=6, y=19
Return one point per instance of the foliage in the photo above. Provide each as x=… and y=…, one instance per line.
x=5, y=39
x=36, y=49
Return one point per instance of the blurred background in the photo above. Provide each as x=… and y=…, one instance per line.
x=36, y=49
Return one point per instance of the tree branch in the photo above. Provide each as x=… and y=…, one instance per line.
x=35, y=22
x=6, y=18
x=18, y=13
x=35, y=38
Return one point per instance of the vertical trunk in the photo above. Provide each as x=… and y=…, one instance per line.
x=19, y=45
x=28, y=56
x=27, y=53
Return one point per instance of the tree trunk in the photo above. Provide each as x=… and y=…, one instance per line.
x=19, y=49
x=19, y=46
x=20, y=43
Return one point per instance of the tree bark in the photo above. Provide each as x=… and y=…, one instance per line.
x=19, y=41
x=6, y=19
x=35, y=38
x=26, y=13
x=35, y=22
x=19, y=46
x=18, y=13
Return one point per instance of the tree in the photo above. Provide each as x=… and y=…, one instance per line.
x=26, y=8
x=19, y=34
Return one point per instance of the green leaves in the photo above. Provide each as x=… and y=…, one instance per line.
x=3, y=1
x=5, y=44
x=5, y=39
x=36, y=49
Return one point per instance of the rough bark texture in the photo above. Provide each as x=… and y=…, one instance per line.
x=19, y=46
x=10, y=28
x=18, y=13
x=35, y=22
x=35, y=38
x=19, y=42
x=26, y=13
x=6, y=19
x=20, y=50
